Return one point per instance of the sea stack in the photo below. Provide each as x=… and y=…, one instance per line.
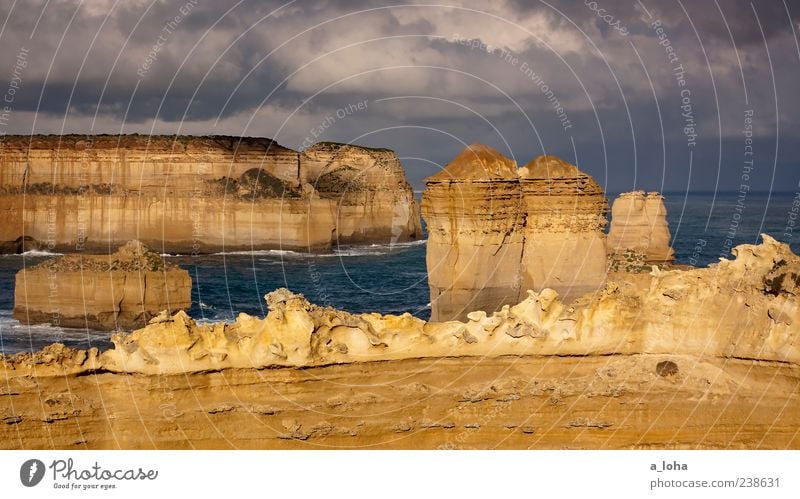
x=639, y=225
x=123, y=290
x=564, y=219
x=473, y=214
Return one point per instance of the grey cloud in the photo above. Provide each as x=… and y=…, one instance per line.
x=592, y=70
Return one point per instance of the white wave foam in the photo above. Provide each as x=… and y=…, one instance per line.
x=342, y=251
x=34, y=253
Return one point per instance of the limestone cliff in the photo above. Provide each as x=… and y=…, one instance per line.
x=119, y=291
x=639, y=224
x=198, y=194
x=472, y=211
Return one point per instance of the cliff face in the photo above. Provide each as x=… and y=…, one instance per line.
x=198, y=194
x=703, y=358
x=472, y=210
x=121, y=290
x=495, y=232
x=639, y=223
x=373, y=200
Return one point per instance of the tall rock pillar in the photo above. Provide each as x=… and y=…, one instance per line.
x=474, y=220
x=564, y=241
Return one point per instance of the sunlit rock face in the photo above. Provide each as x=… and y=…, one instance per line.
x=198, y=194
x=564, y=212
x=122, y=290
x=496, y=232
x=639, y=223
x=373, y=200
x=474, y=221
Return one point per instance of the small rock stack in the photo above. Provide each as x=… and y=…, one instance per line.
x=639, y=225
x=473, y=212
x=123, y=290
x=495, y=232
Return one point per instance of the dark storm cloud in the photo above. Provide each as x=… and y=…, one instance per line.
x=434, y=78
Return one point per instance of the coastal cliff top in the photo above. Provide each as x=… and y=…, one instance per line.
x=138, y=141
x=130, y=257
x=477, y=162
x=177, y=143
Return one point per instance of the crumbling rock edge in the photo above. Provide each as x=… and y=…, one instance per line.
x=747, y=307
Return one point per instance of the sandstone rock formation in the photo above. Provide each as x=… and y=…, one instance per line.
x=745, y=308
x=494, y=231
x=702, y=358
x=198, y=194
x=107, y=292
x=473, y=216
x=564, y=220
x=639, y=224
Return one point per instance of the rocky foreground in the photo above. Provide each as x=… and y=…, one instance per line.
x=672, y=359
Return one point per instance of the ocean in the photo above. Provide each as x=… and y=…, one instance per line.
x=392, y=278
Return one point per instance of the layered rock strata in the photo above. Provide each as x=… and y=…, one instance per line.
x=198, y=194
x=564, y=220
x=123, y=290
x=701, y=358
x=639, y=224
x=495, y=231
x=474, y=221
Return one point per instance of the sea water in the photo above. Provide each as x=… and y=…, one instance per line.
x=392, y=278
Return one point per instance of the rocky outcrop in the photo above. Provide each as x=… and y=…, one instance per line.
x=700, y=358
x=564, y=220
x=198, y=194
x=473, y=215
x=746, y=308
x=495, y=231
x=119, y=291
x=639, y=225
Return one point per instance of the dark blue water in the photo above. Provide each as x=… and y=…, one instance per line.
x=392, y=278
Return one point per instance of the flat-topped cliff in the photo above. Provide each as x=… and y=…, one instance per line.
x=122, y=290
x=199, y=194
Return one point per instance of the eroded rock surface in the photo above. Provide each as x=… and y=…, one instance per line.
x=744, y=308
x=119, y=291
x=209, y=193
x=702, y=358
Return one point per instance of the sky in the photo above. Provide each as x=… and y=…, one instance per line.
x=668, y=95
